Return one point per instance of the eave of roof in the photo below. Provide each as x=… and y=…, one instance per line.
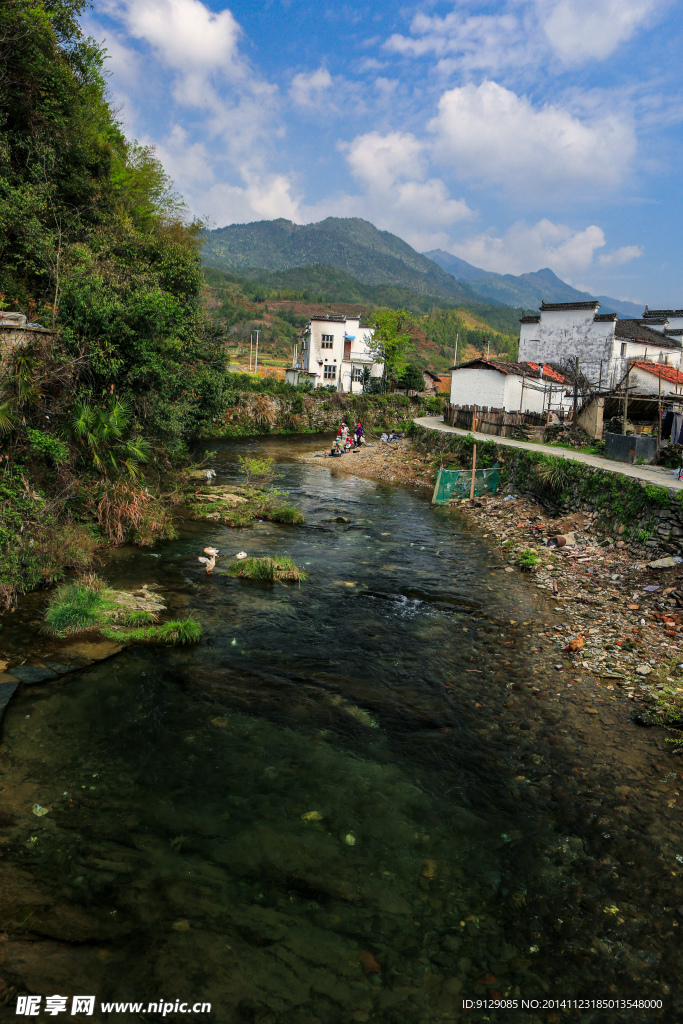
x=666, y=313
x=530, y=319
x=556, y=306
x=603, y=318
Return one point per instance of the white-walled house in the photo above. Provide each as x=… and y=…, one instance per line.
x=603, y=343
x=514, y=387
x=335, y=351
x=644, y=380
x=668, y=322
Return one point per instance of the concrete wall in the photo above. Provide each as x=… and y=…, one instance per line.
x=590, y=418
x=648, y=384
x=495, y=390
x=529, y=393
x=477, y=386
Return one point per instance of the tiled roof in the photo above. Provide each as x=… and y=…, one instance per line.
x=548, y=371
x=663, y=370
x=520, y=369
x=634, y=331
x=553, y=306
x=530, y=319
x=662, y=312
x=603, y=318
x=653, y=319
x=332, y=317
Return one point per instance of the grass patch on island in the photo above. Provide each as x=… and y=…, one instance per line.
x=78, y=606
x=177, y=631
x=90, y=605
x=280, y=568
x=268, y=504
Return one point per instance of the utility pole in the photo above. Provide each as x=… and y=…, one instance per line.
x=628, y=374
x=256, y=362
x=488, y=348
x=455, y=354
x=576, y=394
x=659, y=418
x=251, y=349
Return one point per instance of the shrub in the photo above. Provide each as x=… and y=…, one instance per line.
x=254, y=467
x=528, y=560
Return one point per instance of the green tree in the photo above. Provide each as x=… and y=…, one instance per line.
x=412, y=378
x=392, y=342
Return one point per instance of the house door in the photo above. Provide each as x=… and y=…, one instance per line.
x=347, y=350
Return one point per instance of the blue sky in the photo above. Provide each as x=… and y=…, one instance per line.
x=517, y=135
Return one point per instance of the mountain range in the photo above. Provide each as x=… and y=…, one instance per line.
x=378, y=258
x=527, y=290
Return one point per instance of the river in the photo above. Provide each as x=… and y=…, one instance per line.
x=357, y=799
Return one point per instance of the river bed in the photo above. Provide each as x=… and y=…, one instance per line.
x=362, y=798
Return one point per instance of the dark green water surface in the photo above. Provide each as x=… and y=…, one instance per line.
x=323, y=813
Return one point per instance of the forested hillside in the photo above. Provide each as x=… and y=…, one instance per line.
x=93, y=245
x=243, y=306
x=347, y=244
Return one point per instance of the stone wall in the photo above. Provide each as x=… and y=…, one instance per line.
x=12, y=337
x=252, y=413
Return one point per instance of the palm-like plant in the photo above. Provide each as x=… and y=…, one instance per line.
x=104, y=434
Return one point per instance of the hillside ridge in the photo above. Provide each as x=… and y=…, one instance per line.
x=527, y=290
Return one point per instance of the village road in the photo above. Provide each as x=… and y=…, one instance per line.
x=651, y=474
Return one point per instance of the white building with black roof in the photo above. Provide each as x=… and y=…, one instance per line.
x=603, y=343
x=335, y=351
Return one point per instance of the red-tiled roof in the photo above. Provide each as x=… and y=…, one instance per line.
x=663, y=370
x=548, y=371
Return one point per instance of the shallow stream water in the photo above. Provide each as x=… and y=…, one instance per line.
x=357, y=799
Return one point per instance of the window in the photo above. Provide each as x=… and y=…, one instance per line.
x=623, y=348
x=327, y=341
x=357, y=374
x=329, y=372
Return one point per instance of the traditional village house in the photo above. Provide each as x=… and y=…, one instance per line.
x=512, y=387
x=603, y=343
x=335, y=351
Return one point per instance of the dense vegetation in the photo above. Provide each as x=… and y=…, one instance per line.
x=93, y=244
x=350, y=245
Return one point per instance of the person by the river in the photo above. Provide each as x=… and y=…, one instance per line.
x=359, y=435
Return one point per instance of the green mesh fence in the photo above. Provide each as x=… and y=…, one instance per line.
x=456, y=483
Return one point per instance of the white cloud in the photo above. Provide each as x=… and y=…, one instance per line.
x=468, y=42
x=399, y=196
x=526, y=247
x=380, y=160
x=525, y=33
x=581, y=30
x=185, y=33
x=492, y=135
x=263, y=197
x=619, y=257
x=310, y=90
